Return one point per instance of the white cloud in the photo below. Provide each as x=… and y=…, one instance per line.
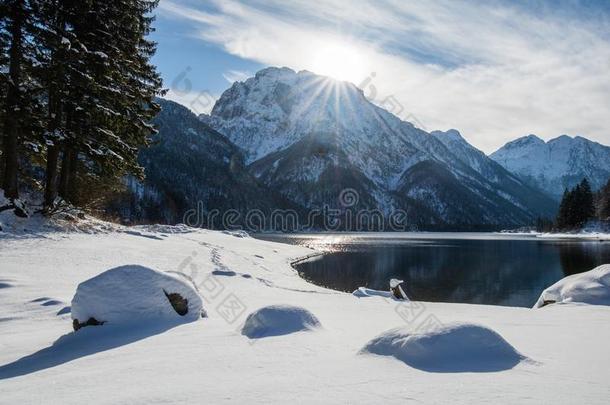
x=199, y=102
x=236, y=76
x=492, y=71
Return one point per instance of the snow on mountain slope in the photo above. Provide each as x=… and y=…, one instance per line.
x=278, y=107
x=304, y=134
x=557, y=164
x=461, y=202
x=467, y=153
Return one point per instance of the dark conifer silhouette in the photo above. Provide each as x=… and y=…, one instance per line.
x=577, y=207
x=78, y=94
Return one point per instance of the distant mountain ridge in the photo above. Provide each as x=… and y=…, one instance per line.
x=288, y=140
x=309, y=137
x=558, y=164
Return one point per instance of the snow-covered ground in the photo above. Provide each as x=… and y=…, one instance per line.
x=601, y=236
x=558, y=354
x=581, y=235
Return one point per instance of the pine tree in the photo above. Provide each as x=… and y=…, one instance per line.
x=4, y=45
x=544, y=224
x=577, y=207
x=22, y=100
x=16, y=21
x=53, y=36
x=111, y=100
x=564, y=215
x=603, y=202
x=77, y=93
x=585, y=203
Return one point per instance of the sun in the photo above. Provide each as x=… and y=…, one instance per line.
x=341, y=61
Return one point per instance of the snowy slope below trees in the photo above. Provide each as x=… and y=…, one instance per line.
x=211, y=361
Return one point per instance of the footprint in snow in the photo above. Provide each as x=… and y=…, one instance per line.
x=41, y=299
x=6, y=285
x=51, y=303
x=266, y=282
x=64, y=310
x=228, y=273
x=47, y=301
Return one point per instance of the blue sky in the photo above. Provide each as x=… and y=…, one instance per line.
x=494, y=71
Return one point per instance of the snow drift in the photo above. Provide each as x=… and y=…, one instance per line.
x=132, y=293
x=458, y=347
x=591, y=287
x=275, y=320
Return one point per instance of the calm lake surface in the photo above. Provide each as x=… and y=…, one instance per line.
x=478, y=268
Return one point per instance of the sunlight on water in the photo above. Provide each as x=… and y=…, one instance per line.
x=481, y=268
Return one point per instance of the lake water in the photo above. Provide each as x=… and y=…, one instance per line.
x=479, y=268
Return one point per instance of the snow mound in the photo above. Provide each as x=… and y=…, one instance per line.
x=133, y=293
x=591, y=287
x=275, y=320
x=458, y=347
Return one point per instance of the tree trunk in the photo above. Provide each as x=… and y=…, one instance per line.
x=71, y=186
x=13, y=112
x=66, y=173
x=51, y=173
x=55, y=117
x=51, y=176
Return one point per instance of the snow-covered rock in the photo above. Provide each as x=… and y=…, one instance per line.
x=557, y=164
x=591, y=287
x=277, y=320
x=458, y=347
x=133, y=293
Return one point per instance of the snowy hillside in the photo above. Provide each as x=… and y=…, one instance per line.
x=310, y=136
x=269, y=336
x=557, y=164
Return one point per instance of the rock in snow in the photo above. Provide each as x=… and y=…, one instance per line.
x=133, y=293
x=592, y=287
x=397, y=290
x=458, y=347
x=277, y=320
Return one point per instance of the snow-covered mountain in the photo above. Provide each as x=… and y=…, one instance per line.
x=189, y=166
x=309, y=136
x=557, y=164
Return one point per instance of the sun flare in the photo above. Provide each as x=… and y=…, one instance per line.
x=340, y=61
